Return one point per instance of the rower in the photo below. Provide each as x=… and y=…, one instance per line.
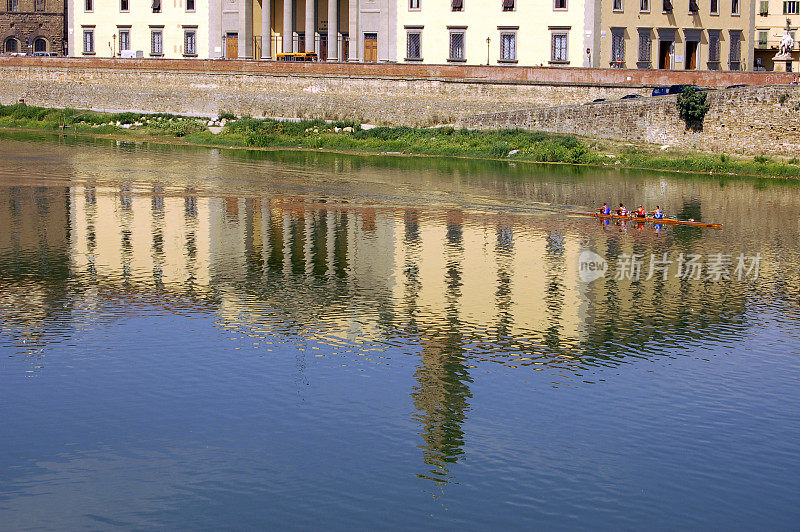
x=605, y=210
x=622, y=211
x=639, y=212
x=658, y=214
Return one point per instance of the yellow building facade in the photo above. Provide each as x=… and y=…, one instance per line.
x=645, y=34
x=772, y=19
x=677, y=34
x=494, y=32
x=134, y=28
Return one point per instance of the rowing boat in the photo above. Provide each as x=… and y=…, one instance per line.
x=667, y=221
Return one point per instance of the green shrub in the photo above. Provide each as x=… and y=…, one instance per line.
x=692, y=107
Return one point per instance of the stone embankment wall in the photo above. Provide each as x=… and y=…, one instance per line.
x=374, y=93
x=747, y=120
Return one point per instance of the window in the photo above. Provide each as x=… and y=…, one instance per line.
x=508, y=46
x=190, y=42
x=190, y=5
x=735, y=58
x=13, y=5
x=734, y=7
x=558, y=47
x=644, y=6
x=38, y=5
x=156, y=6
x=790, y=7
x=124, y=5
x=763, y=8
x=413, y=4
x=645, y=48
x=762, y=38
x=666, y=6
x=715, y=7
x=156, y=42
x=11, y=45
x=457, y=5
x=713, y=49
x=559, y=4
x=693, y=7
x=617, y=47
x=457, y=46
x=88, y=5
x=414, y=46
x=39, y=45
x=124, y=40
x=616, y=5
x=509, y=5
x=88, y=41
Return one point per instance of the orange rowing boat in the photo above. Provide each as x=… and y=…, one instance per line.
x=667, y=221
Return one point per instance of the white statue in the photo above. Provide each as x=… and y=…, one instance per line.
x=786, y=45
x=787, y=42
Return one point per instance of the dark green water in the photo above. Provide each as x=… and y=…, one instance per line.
x=209, y=339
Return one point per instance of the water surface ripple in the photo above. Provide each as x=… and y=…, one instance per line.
x=201, y=338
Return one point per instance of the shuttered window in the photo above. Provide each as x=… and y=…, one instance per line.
x=508, y=46
x=414, y=45
x=713, y=49
x=457, y=46
x=617, y=47
x=558, y=47
x=645, y=48
x=156, y=42
x=124, y=40
x=735, y=56
x=88, y=41
x=190, y=42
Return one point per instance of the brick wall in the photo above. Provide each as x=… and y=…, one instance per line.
x=753, y=119
x=373, y=98
x=468, y=73
x=748, y=121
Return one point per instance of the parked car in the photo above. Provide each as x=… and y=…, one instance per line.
x=631, y=96
x=672, y=89
x=45, y=54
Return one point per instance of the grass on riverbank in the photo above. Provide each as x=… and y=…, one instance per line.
x=510, y=144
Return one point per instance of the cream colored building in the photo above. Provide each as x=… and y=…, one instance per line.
x=771, y=21
x=676, y=34
x=549, y=32
x=155, y=28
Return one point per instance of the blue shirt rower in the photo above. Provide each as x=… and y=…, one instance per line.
x=605, y=209
x=658, y=214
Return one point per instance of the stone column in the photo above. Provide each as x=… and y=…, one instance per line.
x=333, y=30
x=287, y=25
x=310, y=4
x=266, y=29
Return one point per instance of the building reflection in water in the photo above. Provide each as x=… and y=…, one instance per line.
x=465, y=287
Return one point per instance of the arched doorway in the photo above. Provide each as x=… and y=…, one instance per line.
x=11, y=45
x=39, y=45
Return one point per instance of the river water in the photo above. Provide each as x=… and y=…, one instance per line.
x=207, y=338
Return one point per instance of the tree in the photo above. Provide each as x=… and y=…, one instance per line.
x=692, y=106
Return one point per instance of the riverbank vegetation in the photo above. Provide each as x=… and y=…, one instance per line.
x=511, y=144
